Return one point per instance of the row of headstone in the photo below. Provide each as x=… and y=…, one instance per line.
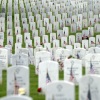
x=16, y=15
x=48, y=70
x=59, y=90
x=21, y=58
x=62, y=90
x=56, y=43
x=46, y=74
x=92, y=42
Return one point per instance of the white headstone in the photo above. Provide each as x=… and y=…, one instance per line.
x=79, y=53
x=92, y=63
x=60, y=90
x=94, y=50
x=72, y=70
x=48, y=72
x=89, y=87
x=20, y=59
x=17, y=77
x=4, y=58
x=60, y=55
x=40, y=57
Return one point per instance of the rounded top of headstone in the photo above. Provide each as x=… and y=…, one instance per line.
x=16, y=97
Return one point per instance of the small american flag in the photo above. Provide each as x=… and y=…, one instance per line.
x=30, y=46
x=91, y=68
x=17, y=31
x=78, y=56
x=65, y=43
x=89, y=93
x=98, y=41
x=16, y=86
x=44, y=40
x=71, y=74
x=92, y=42
x=84, y=46
x=64, y=33
x=71, y=42
x=9, y=42
x=36, y=43
x=37, y=69
x=32, y=28
x=48, y=79
x=94, y=50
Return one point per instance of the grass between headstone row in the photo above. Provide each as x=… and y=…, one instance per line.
x=33, y=78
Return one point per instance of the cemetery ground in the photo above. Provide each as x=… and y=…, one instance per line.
x=33, y=77
x=34, y=84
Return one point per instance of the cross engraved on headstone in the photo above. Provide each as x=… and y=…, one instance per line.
x=72, y=63
x=93, y=57
x=94, y=50
x=90, y=80
x=3, y=10
x=59, y=87
x=17, y=70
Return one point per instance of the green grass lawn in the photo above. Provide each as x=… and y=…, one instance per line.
x=33, y=78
